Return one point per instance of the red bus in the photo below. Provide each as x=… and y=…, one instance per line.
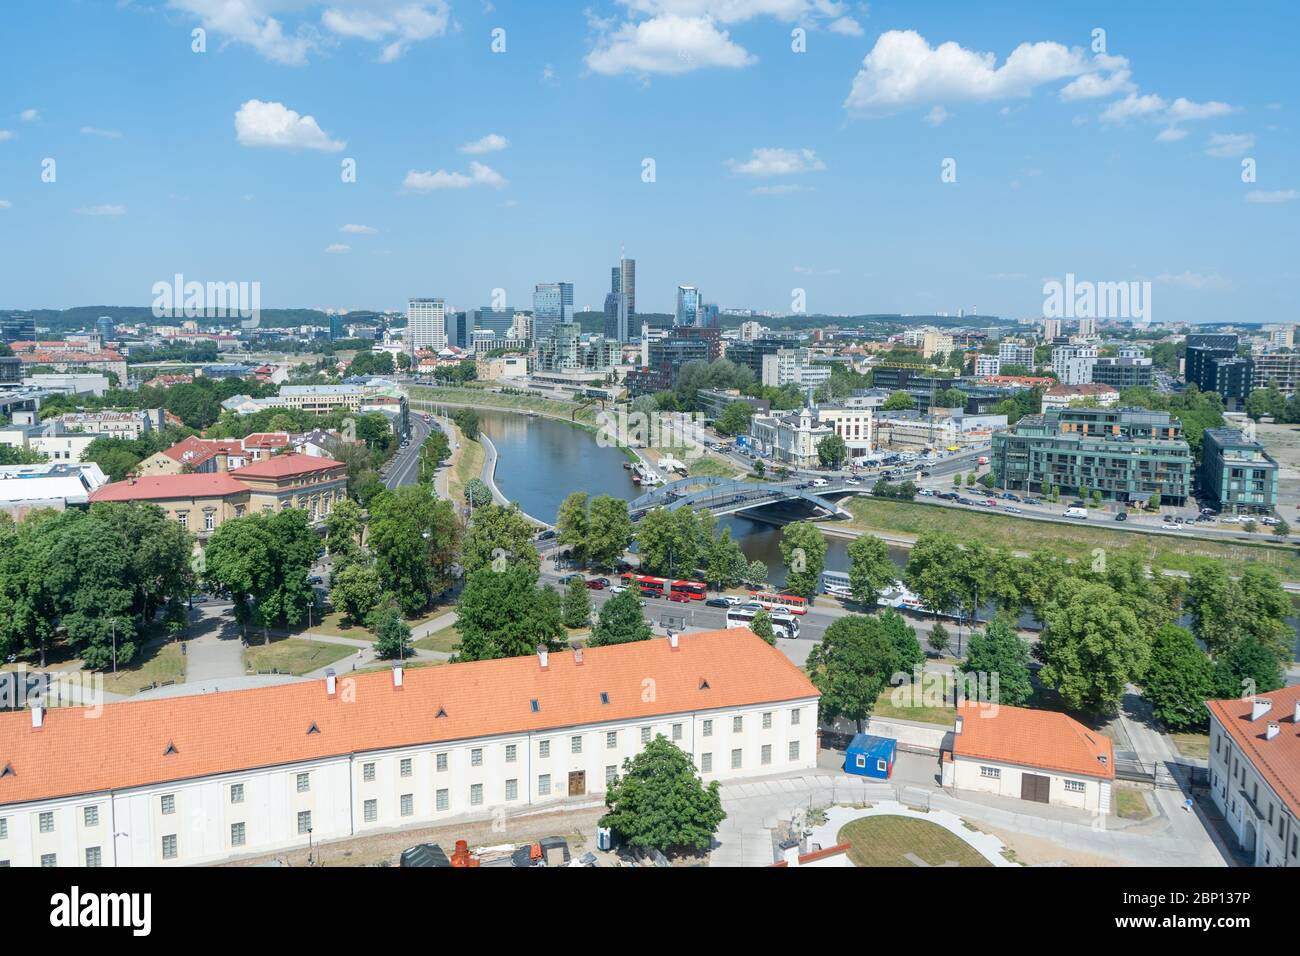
x=695, y=590
x=647, y=585
x=788, y=602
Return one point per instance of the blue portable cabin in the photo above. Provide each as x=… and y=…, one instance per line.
x=870, y=756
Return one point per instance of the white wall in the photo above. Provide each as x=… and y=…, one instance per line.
x=1244, y=797
x=968, y=775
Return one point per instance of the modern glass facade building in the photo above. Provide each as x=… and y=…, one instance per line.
x=1128, y=454
x=688, y=305
x=552, y=306
x=564, y=350
x=1212, y=365
x=1236, y=473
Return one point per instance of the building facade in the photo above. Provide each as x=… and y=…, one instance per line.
x=1236, y=473
x=1073, y=364
x=426, y=324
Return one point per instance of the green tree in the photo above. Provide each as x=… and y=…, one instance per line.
x=898, y=402
x=659, y=802
x=756, y=574
x=803, y=549
x=734, y=419
x=573, y=526
x=577, y=603
x=620, y=621
x=1092, y=647
x=477, y=493
x=498, y=532
x=262, y=561
x=504, y=614
x=832, y=451
x=762, y=626
x=998, y=650
x=344, y=529
x=928, y=568
x=938, y=641
x=1179, y=679
x=1248, y=667
x=392, y=635
x=855, y=661
x=871, y=572
x=414, y=538
x=355, y=590
x=609, y=530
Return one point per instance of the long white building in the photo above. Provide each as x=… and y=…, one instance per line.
x=206, y=778
x=426, y=325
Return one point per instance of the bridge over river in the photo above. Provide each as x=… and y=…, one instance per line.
x=725, y=496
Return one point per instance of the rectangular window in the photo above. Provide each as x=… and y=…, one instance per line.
x=611, y=739
x=368, y=772
x=737, y=724
x=4, y=828
x=209, y=521
x=370, y=810
x=304, y=782
x=794, y=750
x=238, y=834
x=575, y=745
x=443, y=799
x=304, y=821
x=236, y=793
x=91, y=816
x=544, y=785
x=169, y=846
x=993, y=773
x=610, y=773
x=93, y=856
x=512, y=753
x=476, y=757
x=706, y=763
x=47, y=822
x=49, y=859
x=406, y=766
x=544, y=749
x=735, y=760
x=1074, y=786
x=512, y=789
x=767, y=720
x=707, y=729
x=168, y=803
x=645, y=735
x=677, y=731
x=408, y=804
x=476, y=795
x=442, y=762
x=765, y=755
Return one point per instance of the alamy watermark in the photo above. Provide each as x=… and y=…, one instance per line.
x=179, y=299
x=667, y=431
x=1083, y=299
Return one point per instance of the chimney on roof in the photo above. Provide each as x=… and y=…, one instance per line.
x=542, y=655
x=1259, y=706
x=790, y=853
x=672, y=640
x=957, y=725
x=1273, y=730
x=397, y=676
x=331, y=682
x=577, y=653
x=38, y=714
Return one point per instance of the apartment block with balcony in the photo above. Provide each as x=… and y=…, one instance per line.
x=1236, y=473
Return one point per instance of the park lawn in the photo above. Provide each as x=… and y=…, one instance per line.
x=1192, y=744
x=483, y=398
x=155, y=664
x=294, y=655
x=466, y=463
x=884, y=707
x=447, y=640
x=334, y=623
x=1131, y=804
x=886, y=841
x=1078, y=541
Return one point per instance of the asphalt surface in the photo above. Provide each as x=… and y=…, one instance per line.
x=404, y=467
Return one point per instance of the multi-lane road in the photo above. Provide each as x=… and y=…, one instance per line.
x=404, y=467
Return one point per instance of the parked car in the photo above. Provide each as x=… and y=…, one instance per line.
x=315, y=579
x=926, y=492
x=598, y=584
x=1010, y=497
x=617, y=588
x=991, y=502
x=678, y=597
x=717, y=602
x=546, y=535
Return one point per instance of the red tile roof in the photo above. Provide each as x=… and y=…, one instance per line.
x=283, y=466
x=164, y=487
x=1277, y=760
x=266, y=440
x=126, y=745
x=1042, y=739
x=192, y=449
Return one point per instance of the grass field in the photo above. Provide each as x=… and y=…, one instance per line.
x=905, y=710
x=156, y=664
x=1193, y=745
x=487, y=399
x=447, y=640
x=887, y=841
x=466, y=463
x=912, y=518
x=294, y=655
x=1131, y=804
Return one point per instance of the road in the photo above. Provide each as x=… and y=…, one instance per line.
x=404, y=467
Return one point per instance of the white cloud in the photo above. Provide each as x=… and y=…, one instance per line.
x=106, y=133
x=1153, y=106
x=1277, y=195
x=1170, y=135
x=778, y=162
x=337, y=248
x=669, y=44
x=847, y=26
x=6, y=134
x=479, y=175
x=29, y=116
x=319, y=24
x=738, y=11
x=903, y=70
x=107, y=209
x=1193, y=280
x=1227, y=145
x=6, y=204
x=936, y=116
x=275, y=125
x=1132, y=107
x=781, y=189
x=358, y=230
x=490, y=143
x=1184, y=109
x=1110, y=76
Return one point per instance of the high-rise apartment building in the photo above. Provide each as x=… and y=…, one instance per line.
x=620, y=304
x=426, y=324
x=552, y=306
x=1072, y=364
x=1013, y=353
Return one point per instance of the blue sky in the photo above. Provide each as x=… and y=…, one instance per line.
x=774, y=170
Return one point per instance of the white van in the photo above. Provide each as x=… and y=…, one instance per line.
x=1076, y=512
x=819, y=482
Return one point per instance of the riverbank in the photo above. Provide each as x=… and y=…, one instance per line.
x=467, y=462
x=489, y=475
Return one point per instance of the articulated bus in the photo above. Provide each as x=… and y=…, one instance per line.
x=650, y=586
x=784, y=624
x=784, y=602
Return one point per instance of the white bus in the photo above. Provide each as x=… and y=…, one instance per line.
x=784, y=624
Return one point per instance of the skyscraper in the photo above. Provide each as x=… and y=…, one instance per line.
x=552, y=305
x=688, y=305
x=426, y=324
x=620, y=304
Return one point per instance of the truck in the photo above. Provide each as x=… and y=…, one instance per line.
x=1076, y=512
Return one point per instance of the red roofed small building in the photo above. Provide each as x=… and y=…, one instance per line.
x=1037, y=755
x=1255, y=772
x=201, y=501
